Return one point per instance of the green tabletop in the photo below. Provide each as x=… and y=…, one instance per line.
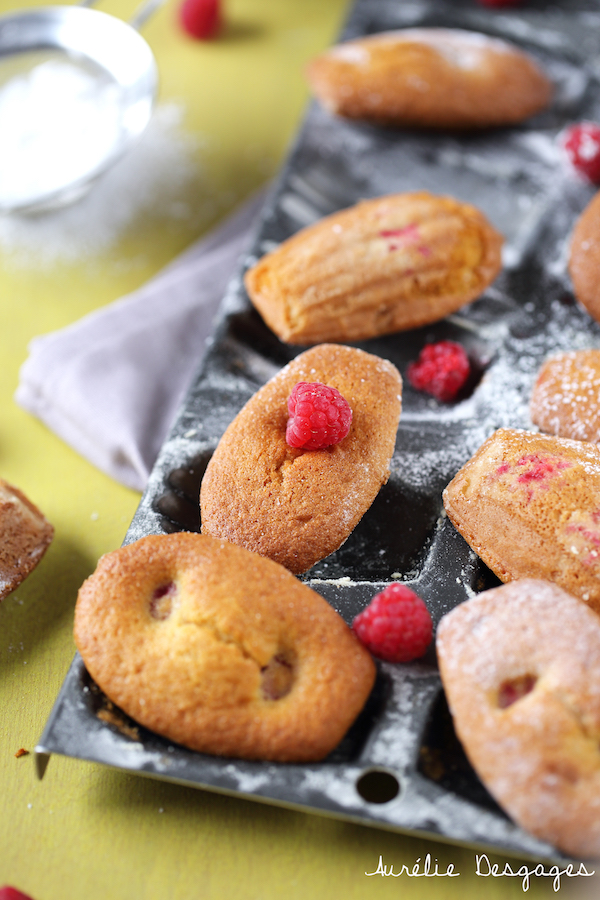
x=87, y=831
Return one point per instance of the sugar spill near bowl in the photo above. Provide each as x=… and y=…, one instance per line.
x=77, y=87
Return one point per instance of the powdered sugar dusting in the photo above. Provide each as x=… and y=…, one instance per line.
x=566, y=397
x=357, y=54
x=464, y=49
x=531, y=753
x=153, y=179
x=554, y=630
x=394, y=744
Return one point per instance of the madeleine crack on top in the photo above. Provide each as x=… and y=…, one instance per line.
x=292, y=505
x=220, y=650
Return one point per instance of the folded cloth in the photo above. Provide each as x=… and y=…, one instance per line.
x=110, y=384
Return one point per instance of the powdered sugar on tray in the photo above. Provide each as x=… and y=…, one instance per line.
x=152, y=179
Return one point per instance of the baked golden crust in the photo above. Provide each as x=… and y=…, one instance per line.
x=584, y=258
x=298, y=506
x=25, y=535
x=220, y=650
x=384, y=265
x=520, y=666
x=430, y=78
x=566, y=396
x=529, y=505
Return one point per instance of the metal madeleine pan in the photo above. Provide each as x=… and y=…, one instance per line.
x=401, y=766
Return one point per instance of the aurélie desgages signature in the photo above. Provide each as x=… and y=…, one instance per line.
x=428, y=868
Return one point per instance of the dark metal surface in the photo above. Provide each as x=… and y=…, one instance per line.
x=400, y=766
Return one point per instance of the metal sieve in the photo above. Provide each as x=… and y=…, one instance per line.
x=106, y=48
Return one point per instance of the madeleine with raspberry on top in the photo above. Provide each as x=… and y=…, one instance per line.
x=296, y=499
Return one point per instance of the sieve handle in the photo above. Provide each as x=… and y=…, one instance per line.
x=142, y=13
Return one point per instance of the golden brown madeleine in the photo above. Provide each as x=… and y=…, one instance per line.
x=566, y=396
x=520, y=666
x=298, y=506
x=529, y=505
x=584, y=258
x=430, y=78
x=25, y=535
x=221, y=650
x=384, y=265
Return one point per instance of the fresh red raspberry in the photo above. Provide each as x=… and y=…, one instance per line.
x=200, y=18
x=582, y=146
x=395, y=626
x=441, y=370
x=319, y=416
x=11, y=893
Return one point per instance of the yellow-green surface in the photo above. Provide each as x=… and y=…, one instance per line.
x=86, y=831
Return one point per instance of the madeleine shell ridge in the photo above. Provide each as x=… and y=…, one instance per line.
x=387, y=264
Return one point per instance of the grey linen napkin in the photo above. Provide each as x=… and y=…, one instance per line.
x=110, y=384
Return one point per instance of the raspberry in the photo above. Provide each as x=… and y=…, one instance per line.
x=582, y=146
x=11, y=893
x=319, y=416
x=200, y=18
x=395, y=626
x=441, y=370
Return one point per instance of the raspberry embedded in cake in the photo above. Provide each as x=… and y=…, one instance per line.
x=582, y=536
x=319, y=416
x=514, y=689
x=533, y=470
x=399, y=238
x=161, y=602
x=277, y=678
x=538, y=468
